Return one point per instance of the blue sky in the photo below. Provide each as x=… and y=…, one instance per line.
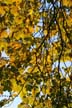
x=13, y=104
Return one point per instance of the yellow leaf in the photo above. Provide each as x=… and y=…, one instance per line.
x=4, y=34
x=15, y=87
x=15, y=45
x=14, y=10
x=11, y=1
x=69, y=21
x=27, y=20
x=31, y=100
x=45, y=32
x=18, y=20
x=31, y=29
x=3, y=45
x=2, y=11
x=23, y=93
x=1, y=89
x=23, y=105
x=68, y=79
x=48, y=91
x=30, y=11
x=67, y=3
x=49, y=59
x=12, y=59
x=37, y=29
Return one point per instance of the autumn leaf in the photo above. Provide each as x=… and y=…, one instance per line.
x=2, y=11
x=36, y=35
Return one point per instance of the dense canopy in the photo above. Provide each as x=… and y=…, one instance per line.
x=36, y=52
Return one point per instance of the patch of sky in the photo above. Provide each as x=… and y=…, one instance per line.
x=57, y=4
x=13, y=104
x=67, y=11
x=45, y=6
x=32, y=47
x=49, y=5
x=4, y=55
x=5, y=95
x=39, y=25
x=54, y=38
x=38, y=34
x=62, y=64
x=40, y=22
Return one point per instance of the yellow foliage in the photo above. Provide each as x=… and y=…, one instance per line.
x=49, y=59
x=33, y=60
x=18, y=20
x=31, y=100
x=33, y=92
x=23, y=93
x=67, y=3
x=19, y=35
x=3, y=45
x=15, y=45
x=14, y=10
x=53, y=32
x=15, y=87
x=27, y=21
x=1, y=89
x=11, y=1
x=48, y=103
x=48, y=91
x=31, y=29
x=67, y=58
x=21, y=78
x=4, y=34
x=30, y=11
x=68, y=79
x=23, y=105
x=16, y=1
x=12, y=59
x=45, y=32
x=69, y=21
x=37, y=29
x=33, y=55
x=2, y=11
